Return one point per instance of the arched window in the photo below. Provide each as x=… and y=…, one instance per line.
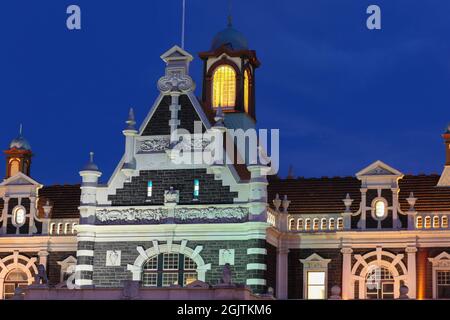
x=331, y=224
x=14, y=165
x=323, y=224
x=380, y=209
x=60, y=228
x=168, y=269
x=419, y=222
x=300, y=224
x=444, y=223
x=19, y=216
x=224, y=87
x=436, y=224
x=73, y=228
x=68, y=228
x=13, y=280
x=53, y=228
x=246, y=89
x=340, y=224
x=308, y=224
x=315, y=224
x=427, y=222
x=292, y=224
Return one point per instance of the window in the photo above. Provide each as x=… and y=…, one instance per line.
x=292, y=224
x=168, y=269
x=68, y=228
x=73, y=228
x=419, y=222
x=427, y=222
x=196, y=188
x=436, y=224
x=379, y=284
x=300, y=224
x=14, y=167
x=443, y=284
x=53, y=228
x=19, y=216
x=224, y=87
x=444, y=223
x=340, y=224
x=149, y=189
x=14, y=279
x=308, y=224
x=323, y=224
x=331, y=224
x=316, y=285
x=246, y=89
x=316, y=224
x=60, y=228
x=380, y=209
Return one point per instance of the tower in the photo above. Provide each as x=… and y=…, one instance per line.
x=18, y=156
x=229, y=78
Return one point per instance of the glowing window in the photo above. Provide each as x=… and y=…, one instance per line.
x=60, y=228
x=196, y=188
x=53, y=228
x=308, y=224
x=149, y=189
x=340, y=224
x=300, y=224
x=19, y=216
x=380, y=209
x=292, y=224
x=246, y=90
x=331, y=224
x=323, y=224
x=224, y=87
x=73, y=228
x=316, y=224
x=14, y=167
x=316, y=285
x=427, y=222
x=444, y=222
x=419, y=223
x=436, y=222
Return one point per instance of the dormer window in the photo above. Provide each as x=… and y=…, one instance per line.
x=224, y=87
x=379, y=209
x=19, y=216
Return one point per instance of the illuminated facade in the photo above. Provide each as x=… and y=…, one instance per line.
x=166, y=225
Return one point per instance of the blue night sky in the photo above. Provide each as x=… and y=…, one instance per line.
x=342, y=96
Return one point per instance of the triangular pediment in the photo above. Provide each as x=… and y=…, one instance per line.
x=176, y=53
x=19, y=179
x=379, y=168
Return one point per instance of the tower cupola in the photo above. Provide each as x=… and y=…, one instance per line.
x=18, y=156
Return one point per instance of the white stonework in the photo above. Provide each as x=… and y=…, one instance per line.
x=226, y=256
x=113, y=258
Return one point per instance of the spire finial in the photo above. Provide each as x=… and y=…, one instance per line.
x=230, y=17
x=131, y=120
x=91, y=157
x=20, y=129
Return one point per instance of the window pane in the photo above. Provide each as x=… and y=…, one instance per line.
x=189, y=277
x=316, y=278
x=151, y=264
x=224, y=87
x=170, y=261
x=316, y=292
x=189, y=264
x=170, y=279
x=379, y=209
x=150, y=279
x=246, y=90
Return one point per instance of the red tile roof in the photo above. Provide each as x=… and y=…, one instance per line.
x=65, y=200
x=325, y=195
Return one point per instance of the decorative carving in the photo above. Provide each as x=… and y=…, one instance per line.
x=113, y=258
x=160, y=144
x=171, y=196
x=211, y=214
x=226, y=256
x=154, y=145
x=175, y=79
x=130, y=214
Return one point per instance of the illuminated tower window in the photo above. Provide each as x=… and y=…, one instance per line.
x=196, y=188
x=14, y=167
x=224, y=87
x=149, y=189
x=246, y=90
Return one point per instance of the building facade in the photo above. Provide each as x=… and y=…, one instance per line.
x=160, y=222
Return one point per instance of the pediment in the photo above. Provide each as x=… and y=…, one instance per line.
x=20, y=179
x=379, y=168
x=315, y=261
x=176, y=53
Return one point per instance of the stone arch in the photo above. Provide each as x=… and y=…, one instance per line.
x=145, y=254
x=17, y=261
x=362, y=260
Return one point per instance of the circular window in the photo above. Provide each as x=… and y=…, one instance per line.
x=379, y=210
x=19, y=216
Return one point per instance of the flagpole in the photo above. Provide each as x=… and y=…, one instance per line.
x=183, y=23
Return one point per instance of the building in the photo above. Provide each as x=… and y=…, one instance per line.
x=165, y=224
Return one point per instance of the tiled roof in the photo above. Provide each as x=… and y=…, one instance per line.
x=325, y=195
x=65, y=200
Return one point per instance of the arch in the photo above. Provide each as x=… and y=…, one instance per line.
x=368, y=265
x=224, y=86
x=436, y=223
x=300, y=224
x=323, y=224
x=444, y=222
x=20, y=262
x=427, y=222
x=419, y=222
x=292, y=224
x=144, y=255
x=331, y=225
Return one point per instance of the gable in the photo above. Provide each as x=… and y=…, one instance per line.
x=378, y=168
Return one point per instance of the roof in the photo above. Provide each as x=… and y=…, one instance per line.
x=325, y=195
x=65, y=200
x=231, y=38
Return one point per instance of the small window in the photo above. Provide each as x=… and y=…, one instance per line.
x=340, y=224
x=19, y=216
x=419, y=222
x=316, y=285
x=224, y=87
x=149, y=189
x=316, y=224
x=170, y=261
x=380, y=209
x=196, y=188
x=323, y=224
x=246, y=89
x=331, y=224
x=308, y=224
x=292, y=224
x=300, y=224
x=427, y=222
x=73, y=228
x=436, y=222
x=53, y=228
x=444, y=222
x=60, y=228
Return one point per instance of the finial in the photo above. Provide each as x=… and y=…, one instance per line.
x=131, y=120
x=20, y=129
x=448, y=128
x=230, y=17
x=91, y=157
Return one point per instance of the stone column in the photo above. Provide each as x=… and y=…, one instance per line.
x=43, y=258
x=282, y=273
x=411, y=279
x=347, y=285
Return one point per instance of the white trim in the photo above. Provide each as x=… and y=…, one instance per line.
x=255, y=282
x=83, y=282
x=256, y=266
x=257, y=251
x=85, y=253
x=84, y=267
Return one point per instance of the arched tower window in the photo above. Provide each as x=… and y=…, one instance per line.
x=246, y=89
x=224, y=87
x=168, y=269
x=14, y=167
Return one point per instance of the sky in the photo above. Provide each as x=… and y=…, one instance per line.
x=342, y=96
